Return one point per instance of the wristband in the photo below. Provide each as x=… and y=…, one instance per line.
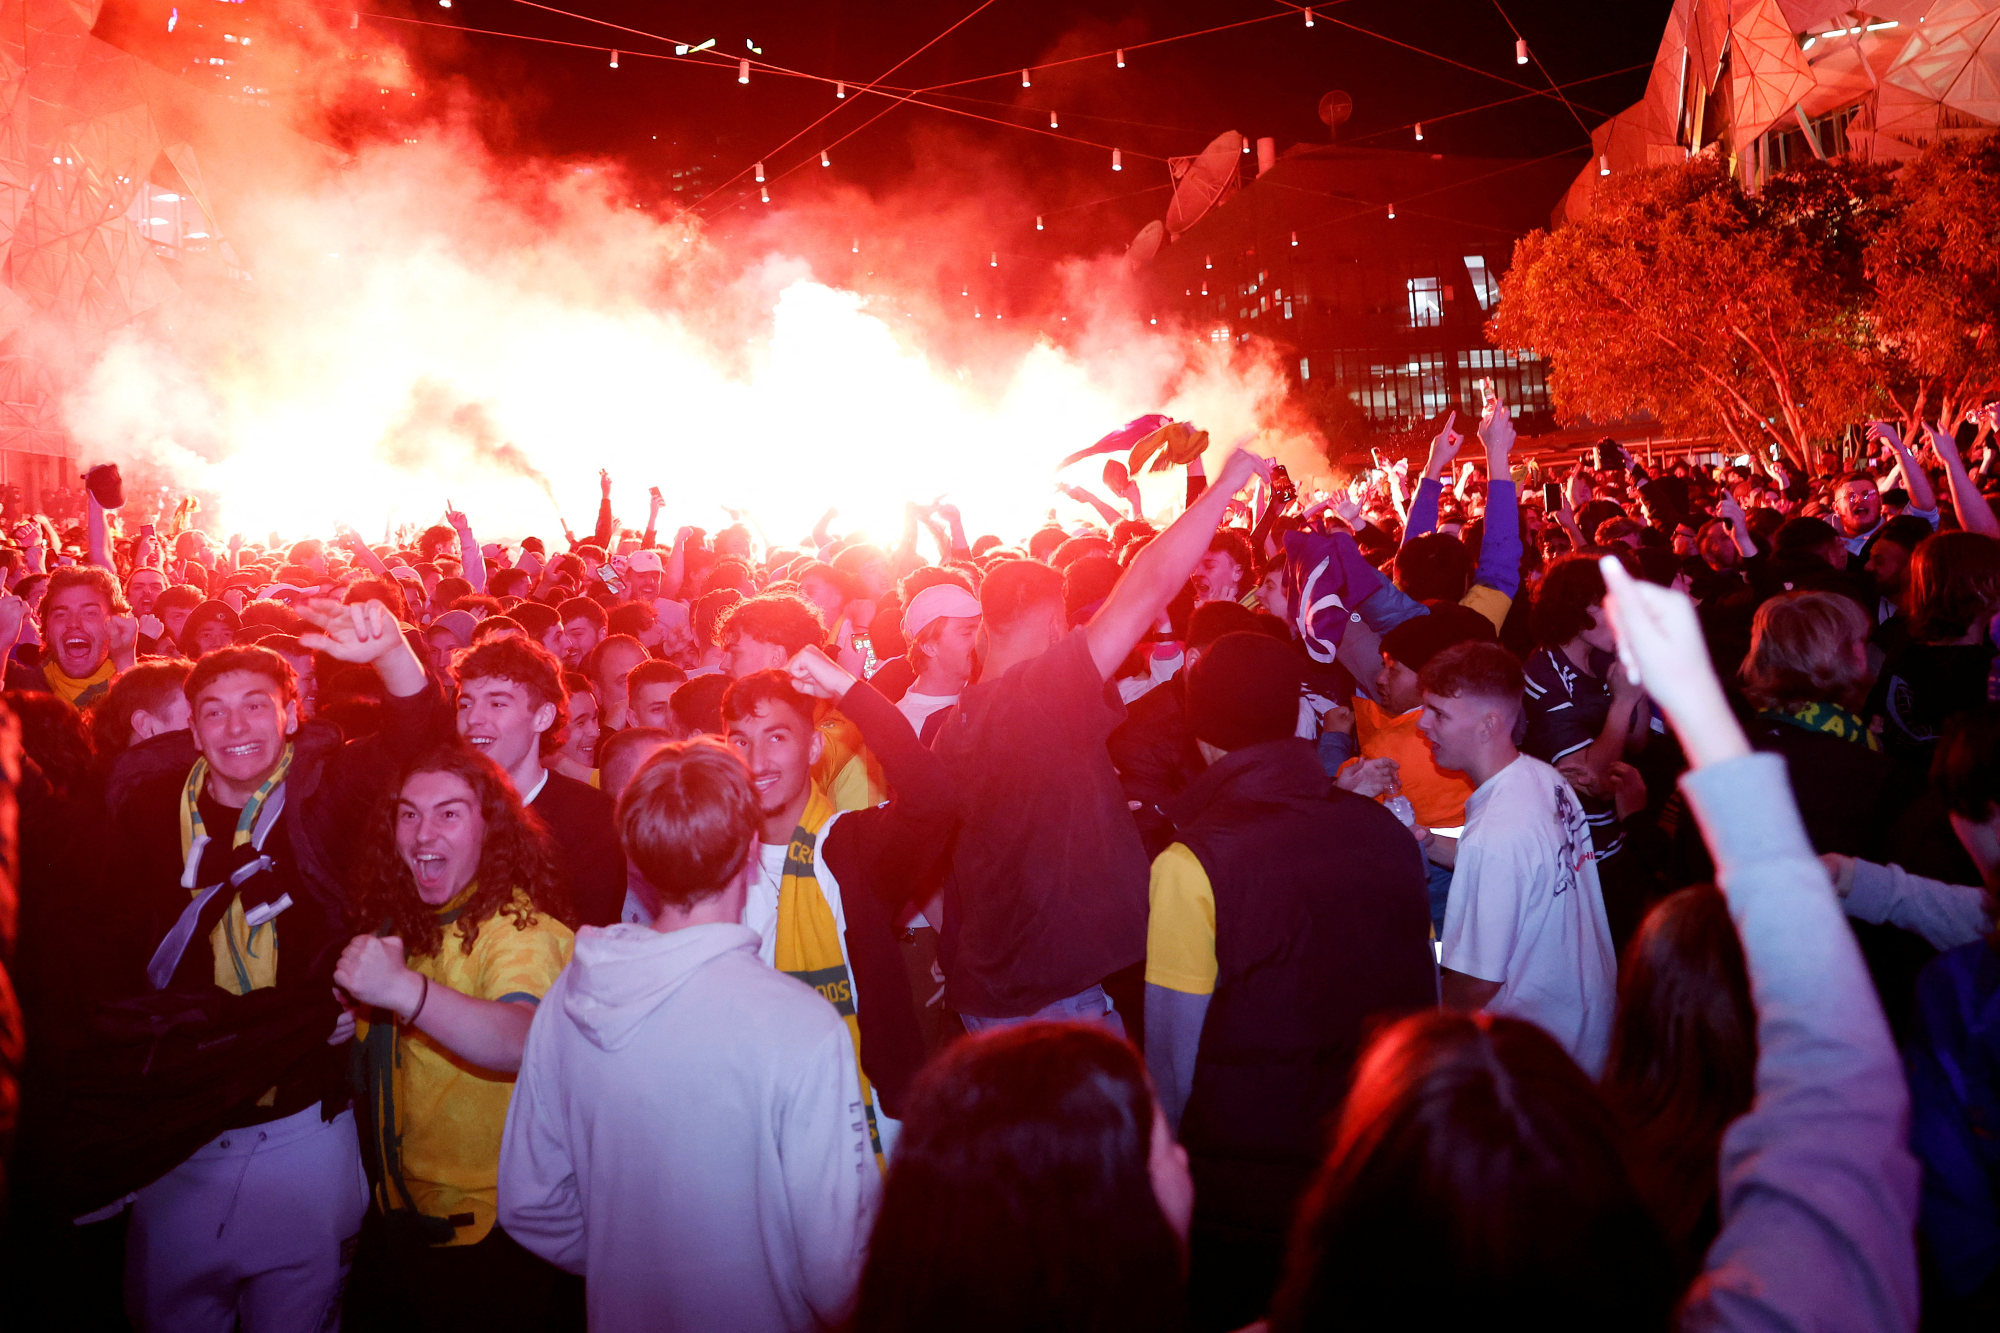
x=422, y=1000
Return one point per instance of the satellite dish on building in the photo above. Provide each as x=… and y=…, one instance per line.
x=1334, y=109
x=1145, y=245
x=1203, y=181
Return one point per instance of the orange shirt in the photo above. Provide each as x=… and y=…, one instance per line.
x=1437, y=794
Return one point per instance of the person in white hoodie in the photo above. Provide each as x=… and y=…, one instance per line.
x=687, y=1129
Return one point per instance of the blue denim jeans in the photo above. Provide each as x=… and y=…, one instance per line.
x=1091, y=1006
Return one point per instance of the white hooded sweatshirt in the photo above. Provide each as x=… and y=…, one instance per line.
x=687, y=1132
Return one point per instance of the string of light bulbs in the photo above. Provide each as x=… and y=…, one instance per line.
x=1521, y=49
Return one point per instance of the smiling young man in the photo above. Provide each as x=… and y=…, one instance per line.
x=1524, y=931
x=764, y=634
x=512, y=709
x=829, y=881
x=229, y=861
x=87, y=637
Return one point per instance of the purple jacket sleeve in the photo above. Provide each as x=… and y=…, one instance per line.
x=1500, y=543
x=1423, y=518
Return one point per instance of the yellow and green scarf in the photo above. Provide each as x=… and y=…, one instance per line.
x=1827, y=719
x=246, y=957
x=808, y=944
x=83, y=691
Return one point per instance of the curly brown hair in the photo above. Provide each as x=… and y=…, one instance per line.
x=516, y=854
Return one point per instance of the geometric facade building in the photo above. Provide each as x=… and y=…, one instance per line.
x=98, y=207
x=1771, y=83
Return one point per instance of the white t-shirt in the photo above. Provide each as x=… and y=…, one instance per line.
x=919, y=707
x=1526, y=909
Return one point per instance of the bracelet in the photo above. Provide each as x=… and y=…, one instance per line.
x=422, y=1000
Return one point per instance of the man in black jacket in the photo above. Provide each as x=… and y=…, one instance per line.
x=1287, y=919
x=512, y=708
x=231, y=846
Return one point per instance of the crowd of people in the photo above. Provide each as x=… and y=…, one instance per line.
x=1556, y=892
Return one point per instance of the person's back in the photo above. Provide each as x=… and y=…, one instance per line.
x=687, y=1129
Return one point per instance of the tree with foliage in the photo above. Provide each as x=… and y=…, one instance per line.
x=1684, y=298
x=1935, y=268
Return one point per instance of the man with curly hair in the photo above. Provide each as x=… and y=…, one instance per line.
x=459, y=891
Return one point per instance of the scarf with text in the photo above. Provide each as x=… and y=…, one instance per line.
x=1827, y=719
x=83, y=691
x=808, y=944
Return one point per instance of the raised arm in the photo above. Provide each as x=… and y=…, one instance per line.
x=1819, y=1191
x=98, y=544
x=1923, y=500
x=607, y=526
x=1085, y=496
x=1500, y=535
x=1423, y=515
x=470, y=557
x=363, y=554
x=1159, y=571
x=1974, y=514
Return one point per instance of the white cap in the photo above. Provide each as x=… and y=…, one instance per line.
x=643, y=562
x=937, y=602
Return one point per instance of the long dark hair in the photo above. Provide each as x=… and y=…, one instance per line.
x=1476, y=1174
x=1019, y=1195
x=1683, y=1059
x=516, y=854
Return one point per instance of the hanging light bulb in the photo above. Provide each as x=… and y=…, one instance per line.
x=1038, y=222
x=1052, y=121
x=353, y=20
x=1309, y=16
x=1025, y=83
x=1604, y=164
x=1121, y=57
x=743, y=70
x=1295, y=238
x=1204, y=287
x=857, y=246
x=1117, y=160
x=1392, y=212
x=1520, y=50
x=1208, y=261
x=824, y=160
x=614, y=59
x=995, y=261
x=760, y=173
x=765, y=191
x=965, y=291
x=1246, y=147
x=1420, y=131
x=840, y=88
x=444, y=4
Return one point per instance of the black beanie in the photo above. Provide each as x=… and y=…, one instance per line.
x=1244, y=691
x=1415, y=642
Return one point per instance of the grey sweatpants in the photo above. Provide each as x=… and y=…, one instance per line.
x=258, y=1225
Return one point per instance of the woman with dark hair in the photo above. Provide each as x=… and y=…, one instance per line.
x=1683, y=1060
x=1035, y=1186
x=1478, y=1179
x=1585, y=715
x=1954, y=590
x=470, y=930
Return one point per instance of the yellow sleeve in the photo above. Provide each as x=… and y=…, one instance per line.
x=520, y=964
x=1488, y=602
x=1180, y=929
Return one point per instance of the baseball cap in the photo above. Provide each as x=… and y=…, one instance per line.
x=937, y=602
x=643, y=562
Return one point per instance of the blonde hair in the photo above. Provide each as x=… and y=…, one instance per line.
x=1801, y=651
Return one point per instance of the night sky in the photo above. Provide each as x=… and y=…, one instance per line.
x=1263, y=79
